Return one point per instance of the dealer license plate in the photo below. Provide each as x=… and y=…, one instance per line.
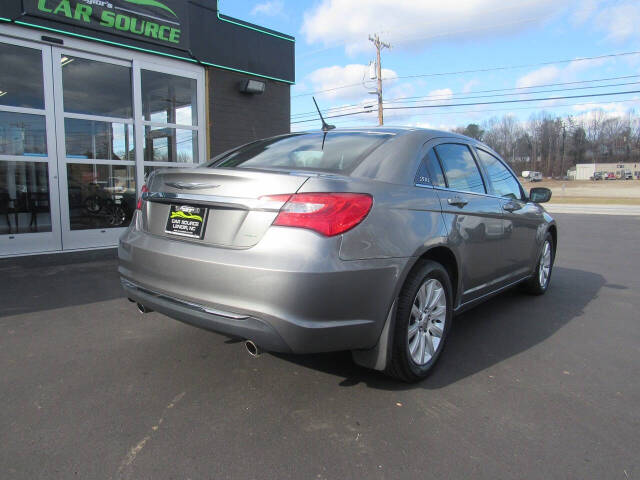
x=186, y=221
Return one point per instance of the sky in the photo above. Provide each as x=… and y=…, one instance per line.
x=457, y=52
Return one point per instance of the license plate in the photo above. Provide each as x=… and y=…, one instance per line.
x=186, y=220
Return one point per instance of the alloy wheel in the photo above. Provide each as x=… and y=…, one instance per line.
x=544, y=268
x=426, y=324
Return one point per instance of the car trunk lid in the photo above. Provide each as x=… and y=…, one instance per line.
x=229, y=201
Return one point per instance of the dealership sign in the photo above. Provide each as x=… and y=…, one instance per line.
x=157, y=21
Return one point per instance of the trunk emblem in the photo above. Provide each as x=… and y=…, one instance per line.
x=190, y=185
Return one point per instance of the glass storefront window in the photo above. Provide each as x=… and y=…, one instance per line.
x=169, y=98
x=23, y=134
x=101, y=196
x=164, y=144
x=89, y=139
x=21, y=80
x=24, y=197
x=96, y=88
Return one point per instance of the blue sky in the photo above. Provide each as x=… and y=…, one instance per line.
x=430, y=36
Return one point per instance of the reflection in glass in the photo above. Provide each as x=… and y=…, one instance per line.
x=168, y=98
x=102, y=140
x=96, y=88
x=22, y=134
x=101, y=196
x=21, y=82
x=170, y=145
x=24, y=197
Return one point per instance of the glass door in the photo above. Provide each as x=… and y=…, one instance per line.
x=29, y=207
x=96, y=147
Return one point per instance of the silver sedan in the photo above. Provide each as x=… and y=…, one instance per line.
x=368, y=240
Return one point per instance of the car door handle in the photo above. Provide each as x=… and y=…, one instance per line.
x=511, y=207
x=457, y=202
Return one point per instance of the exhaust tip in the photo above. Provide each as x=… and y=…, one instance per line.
x=143, y=309
x=252, y=348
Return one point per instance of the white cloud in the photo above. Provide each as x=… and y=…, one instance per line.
x=335, y=77
x=554, y=74
x=269, y=8
x=407, y=21
x=619, y=22
x=468, y=87
x=540, y=76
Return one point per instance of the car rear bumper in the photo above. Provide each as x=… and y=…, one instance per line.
x=274, y=294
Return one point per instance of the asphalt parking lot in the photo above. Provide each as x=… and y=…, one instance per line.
x=529, y=387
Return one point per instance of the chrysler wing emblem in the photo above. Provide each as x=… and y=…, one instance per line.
x=190, y=185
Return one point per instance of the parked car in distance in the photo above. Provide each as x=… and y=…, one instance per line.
x=597, y=176
x=535, y=177
x=368, y=240
x=628, y=175
x=610, y=176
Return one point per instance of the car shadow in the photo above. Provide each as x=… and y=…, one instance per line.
x=500, y=328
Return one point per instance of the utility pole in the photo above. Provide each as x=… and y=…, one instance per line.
x=375, y=39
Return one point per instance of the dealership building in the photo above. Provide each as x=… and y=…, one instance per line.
x=95, y=94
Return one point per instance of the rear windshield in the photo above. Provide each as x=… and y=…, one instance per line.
x=337, y=151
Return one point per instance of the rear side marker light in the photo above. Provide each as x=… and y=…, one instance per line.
x=143, y=190
x=327, y=213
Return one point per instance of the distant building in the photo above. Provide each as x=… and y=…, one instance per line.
x=585, y=171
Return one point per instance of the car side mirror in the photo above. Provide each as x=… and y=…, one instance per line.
x=540, y=195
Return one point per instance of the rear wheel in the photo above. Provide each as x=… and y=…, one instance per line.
x=423, y=320
x=539, y=281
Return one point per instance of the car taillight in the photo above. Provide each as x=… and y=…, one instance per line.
x=144, y=189
x=327, y=213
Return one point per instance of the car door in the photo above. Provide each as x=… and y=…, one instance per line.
x=521, y=218
x=473, y=218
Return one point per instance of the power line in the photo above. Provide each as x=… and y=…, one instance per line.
x=530, y=107
x=481, y=70
x=412, y=107
x=518, y=91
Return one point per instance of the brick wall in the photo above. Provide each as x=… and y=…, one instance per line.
x=236, y=118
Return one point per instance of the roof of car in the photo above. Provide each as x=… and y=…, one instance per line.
x=395, y=130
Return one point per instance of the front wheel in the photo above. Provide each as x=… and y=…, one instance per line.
x=539, y=281
x=423, y=320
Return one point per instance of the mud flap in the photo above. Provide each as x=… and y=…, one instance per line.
x=378, y=357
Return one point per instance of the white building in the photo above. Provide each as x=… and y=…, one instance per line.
x=584, y=171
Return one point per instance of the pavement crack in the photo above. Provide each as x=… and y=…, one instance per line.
x=125, y=469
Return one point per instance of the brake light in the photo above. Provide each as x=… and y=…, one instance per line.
x=326, y=213
x=144, y=189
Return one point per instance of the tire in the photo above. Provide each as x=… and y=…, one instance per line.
x=428, y=323
x=538, y=283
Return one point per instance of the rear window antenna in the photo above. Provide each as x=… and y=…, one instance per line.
x=325, y=126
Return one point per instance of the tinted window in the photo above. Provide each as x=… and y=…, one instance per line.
x=21, y=82
x=430, y=172
x=460, y=168
x=96, y=88
x=336, y=151
x=168, y=98
x=503, y=182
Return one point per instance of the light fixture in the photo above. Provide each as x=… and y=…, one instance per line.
x=2, y=93
x=65, y=61
x=254, y=87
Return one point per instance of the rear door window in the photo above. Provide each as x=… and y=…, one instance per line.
x=502, y=180
x=334, y=151
x=460, y=169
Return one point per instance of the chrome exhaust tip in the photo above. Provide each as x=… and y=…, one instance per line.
x=143, y=309
x=252, y=348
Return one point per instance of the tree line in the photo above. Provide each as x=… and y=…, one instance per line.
x=552, y=144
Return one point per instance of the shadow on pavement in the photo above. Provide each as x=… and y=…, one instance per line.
x=502, y=327
x=46, y=282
